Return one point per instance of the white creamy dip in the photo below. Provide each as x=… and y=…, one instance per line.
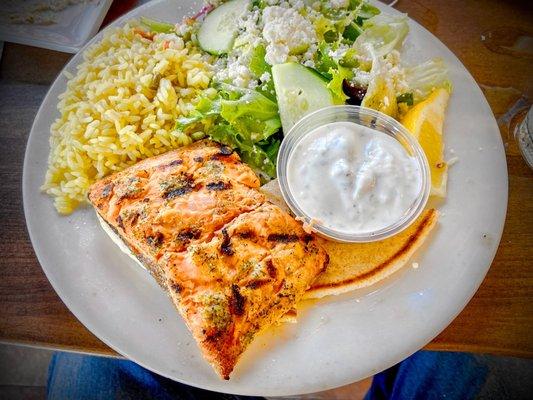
x=351, y=178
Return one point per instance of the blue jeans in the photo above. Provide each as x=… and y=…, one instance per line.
x=430, y=375
x=424, y=375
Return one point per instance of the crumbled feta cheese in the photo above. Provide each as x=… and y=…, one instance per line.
x=184, y=28
x=361, y=77
x=265, y=77
x=287, y=33
x=297, y=4
x=339, y=53
x=234, y=71
x=249, y=29
x=243, y=75
x=394, y=72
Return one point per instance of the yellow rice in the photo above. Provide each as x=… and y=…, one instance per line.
x=120, y=107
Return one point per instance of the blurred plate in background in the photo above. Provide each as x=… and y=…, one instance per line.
x=63, y=25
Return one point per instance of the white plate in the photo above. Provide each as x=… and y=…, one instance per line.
x=337, y=341
x=75, y=25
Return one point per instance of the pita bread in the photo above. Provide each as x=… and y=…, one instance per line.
x=357, y=265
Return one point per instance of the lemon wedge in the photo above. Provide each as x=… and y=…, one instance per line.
x=425, y=121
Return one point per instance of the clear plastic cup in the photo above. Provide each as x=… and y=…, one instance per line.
x=369, y=118
x=523, y=133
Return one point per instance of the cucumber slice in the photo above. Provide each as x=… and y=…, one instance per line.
x=299, y=91
x=219, y=28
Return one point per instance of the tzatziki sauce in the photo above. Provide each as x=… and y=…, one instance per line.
x=351, y=178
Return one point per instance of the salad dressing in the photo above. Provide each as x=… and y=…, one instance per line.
x=352, y=178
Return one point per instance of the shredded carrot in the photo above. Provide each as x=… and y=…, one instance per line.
x=166, y=43
x=144, y=34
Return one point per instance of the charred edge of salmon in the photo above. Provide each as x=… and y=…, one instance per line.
x=224, y=151
x=156, y=240
x=152, y=267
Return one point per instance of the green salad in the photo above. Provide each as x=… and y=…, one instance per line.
x=276, y=60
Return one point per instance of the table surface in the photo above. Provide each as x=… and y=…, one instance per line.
x=494, y=41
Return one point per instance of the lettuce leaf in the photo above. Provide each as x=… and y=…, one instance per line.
x=262, y=160
x=243, y=119
x=253, y=115
x=324, y=63
x=381, y=34
x=335, y=85
x=343, y=25
x=204, y=109
x=258, y=67
x=422, y=79
x=158, y=26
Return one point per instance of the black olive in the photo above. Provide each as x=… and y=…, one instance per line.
x=354, y=92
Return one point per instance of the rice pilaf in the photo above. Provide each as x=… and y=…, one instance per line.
x=121, y=107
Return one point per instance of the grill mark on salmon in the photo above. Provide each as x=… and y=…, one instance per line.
x=282, y=237
x=226, y=151
x=177, y=186
x=225, y=247
x=237, y=301
x=272, y=271
x=120, y=223
x=187, y=235
x=257, y=284
x=245, y=235
x=218, y=185
x=155, y=240
x=175, y=287
x=106, y=191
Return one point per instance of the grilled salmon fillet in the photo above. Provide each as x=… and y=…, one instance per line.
x=232, y=262
x=244, y=279
x=167, y=202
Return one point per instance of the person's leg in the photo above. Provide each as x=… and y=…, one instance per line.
x=431, y=375
x=76, y=376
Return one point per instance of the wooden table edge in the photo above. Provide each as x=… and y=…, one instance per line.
x=431, y=346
